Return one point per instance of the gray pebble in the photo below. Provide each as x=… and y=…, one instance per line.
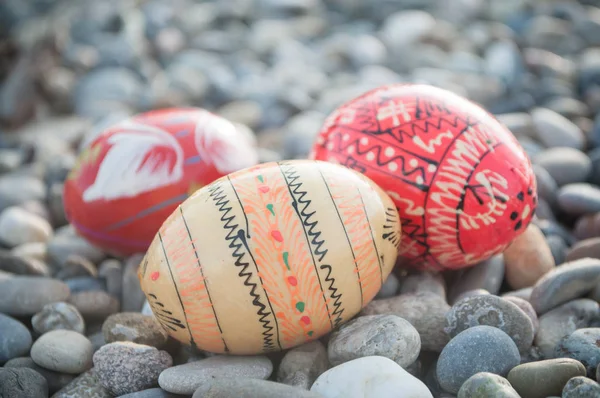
x=491, y=311
x=249, y=388
x=66, y=243
x=301, y=365
x=111, y=271
x=85, y=385
x=151, y=393
x=94, y=304
x=544, y=378
x=547, y=188
x=558, y=247
x=389, y=287
x=423, y=281
x=581, y=345
x=579, y=198
x=565, y=165
x=486, y=275
x=134, y=327
x=187, y=378
x=524, y=293
x=581, y=387
x=57, y=316
x=55, y=380
x=485, y=384
x=477, y=349
x=584, y=248
x=15, y=338
x=526, y=307
x=133, y=296
x=21, y=266
x=26, y=295
x=471, y=293
x=22, y=383
x=84, y=284
x=555, y=130
x=18, y=226
x=63, y=351
x=565, y=283
x=382, y=335
x=77, y=266
x=30, y=188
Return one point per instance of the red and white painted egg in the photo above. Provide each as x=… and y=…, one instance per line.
x=463, y=185
x=135, y=173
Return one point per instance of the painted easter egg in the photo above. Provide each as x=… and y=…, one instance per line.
x=270, y=257
x=463, y=185
x=134, y=174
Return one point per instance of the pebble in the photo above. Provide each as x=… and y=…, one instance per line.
x=565, y=165
x=487, y=275
x=389, y=287
x=63, y=351
x=15, y=338
x=547, y=188
x=132, y=295
x=125, y=367
x=55, y=380
x=425, y=311
x=581, y=345
x=477, y=349
x=77, y=266
x=567, y=282
x=301, y=365
x=21, y=266
x=527, y=258
x=370, y=377
x=587, y=227
x=493, y=311
x=581, y=387
x=111, y=271
x=151, y=393
x=485, y=384
x=84, y=284
x=94, y=304
x=85, y=385
x=134, y=327
x=584, y=248
x=18, y=226
x=30, y=188
x=558, y=247
x=544, y=378
x=526, y=307
x=579, y=198
x=471, y=293
x=250, y=388
x=375, y=335
x=187, y=378
x=27, y=295
x=555, y=130
x=57, y=316
x=62, y=246
x=423, y=282
x=22, y=383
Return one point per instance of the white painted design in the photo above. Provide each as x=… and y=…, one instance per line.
x=394, y=110
x=141, y=158
x=431, y=145
x=409, y=207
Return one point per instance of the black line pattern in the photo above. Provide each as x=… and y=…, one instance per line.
x=238, y=241
x=165, y=317
x=390, y=227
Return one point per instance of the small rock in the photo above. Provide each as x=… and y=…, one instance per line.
x=18, y=226
x=491, y=311
x=55, y=380
x=187, y=378
x=27, y=295
x=63, y=245
x=567, y=282
x=579, y=198
x=375, y=335
x=389, y=287
x=22, y=383
x=526, y=307
x=587, y=226
x=15, y=190
x=133, y=296
x=84, y=284
x=558, y=247
x=471, y=293
x=544, y=378
x=565, y=165
x=547, y=188
x=15, y=338
x=84, y=386
x=581, y=387
x=477, y=349
x=524, y=293
x=527, y=258
x=584, y=248
x=94, y=304
x=77, y=266
x=486, y=275
x=134, y=327
x=301, y=365
x=484, y=384
x=63, y=351
x=369, y=377
x=581, y=345
x=249, y=388
x=125, y=367
x=35, y=250
x=58, y=316
x=151, y=393
x=423, y=282
x=111, y=271
x=555, y=130
x=21, y=266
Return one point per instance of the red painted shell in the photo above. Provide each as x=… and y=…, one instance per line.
x=132, y=176
x=463, y=185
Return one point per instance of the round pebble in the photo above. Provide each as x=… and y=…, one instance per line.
x=22, y=383
x=477, y=349
x=301, y=366
x=57, y=316
x=375, y=335
x=56, y=380
x=63, y=351
x=18, y=226
x=526, y=307
x=94, y=304
x=584, y=248
x=151, y=393
x=487, y=275
x=15, y=338
x=581, y=345
x=565, y=165
x=579, y=198
x=420, y=282
x=15, y=264
x=484, y=384
x=134, y=327
x=581, y=387
x=27, y=295
x=544, y=378
x=555, y=130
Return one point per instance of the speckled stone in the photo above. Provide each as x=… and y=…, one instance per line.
x=57, y=316
x=22, y=383
x=583, y=346
x=301, y=365
x=134, y=327
x=581, y=387
x=250, y=388
x=484, y=385
x=85, y=385
x=477, y=349
x=55, y=380
x=544, y=378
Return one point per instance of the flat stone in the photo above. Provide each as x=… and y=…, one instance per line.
x=133, y=297
x=15, y=338
x=487, y=275
x=22, y=383
x=94, y=304
x=187, y=378
x=581, y=345
x=555, y=130
x=584, y=248
x=565, y=165
x=27, y=295
x=579, y=198
x=134, y=327
x=250, y=388
x=565, y=283
x=85, y=385
x=301, y=365
x=57, y=316
x=544, y=378
x=63, y=351
x=485, y=384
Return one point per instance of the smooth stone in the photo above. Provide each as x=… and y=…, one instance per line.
x=85, y=385
x=584, y=248
x=369, y=377
x=484, y=384
x=22, y=383
x=583, y=346
x=471, y=293
x=27, y=295
x=555, y=130
x=567, y=282
x=544, y=378
x=524, y=293
x=493, y=311
x=94, y=304
x=187, y=378
x=581, y=387
x=423, y=281
x=133, y=297
x=547, y=188
x=134, y=327
x=549, y=227
x=564, y=320
x=61, y=247
x=477, y=349
x=15, y=190
x=125, y=367
x=565, y=165
x=151, y=393
x=389, y=287
x=55, y=380
x=526, y=307
x=77, y=266
x=20, y=265
x=487, y=275
x=111, y=271
x=84, y=284
x=18, y=226
x=519, y=123
x=527, y=258
x=558, y=247
x=375, y=335
x=425, y=311
x=57, y=316
x=587, y=226
x=301, y=365
x=15, y=338
x=63, y=351
x=579, y=198
x=249, y=388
